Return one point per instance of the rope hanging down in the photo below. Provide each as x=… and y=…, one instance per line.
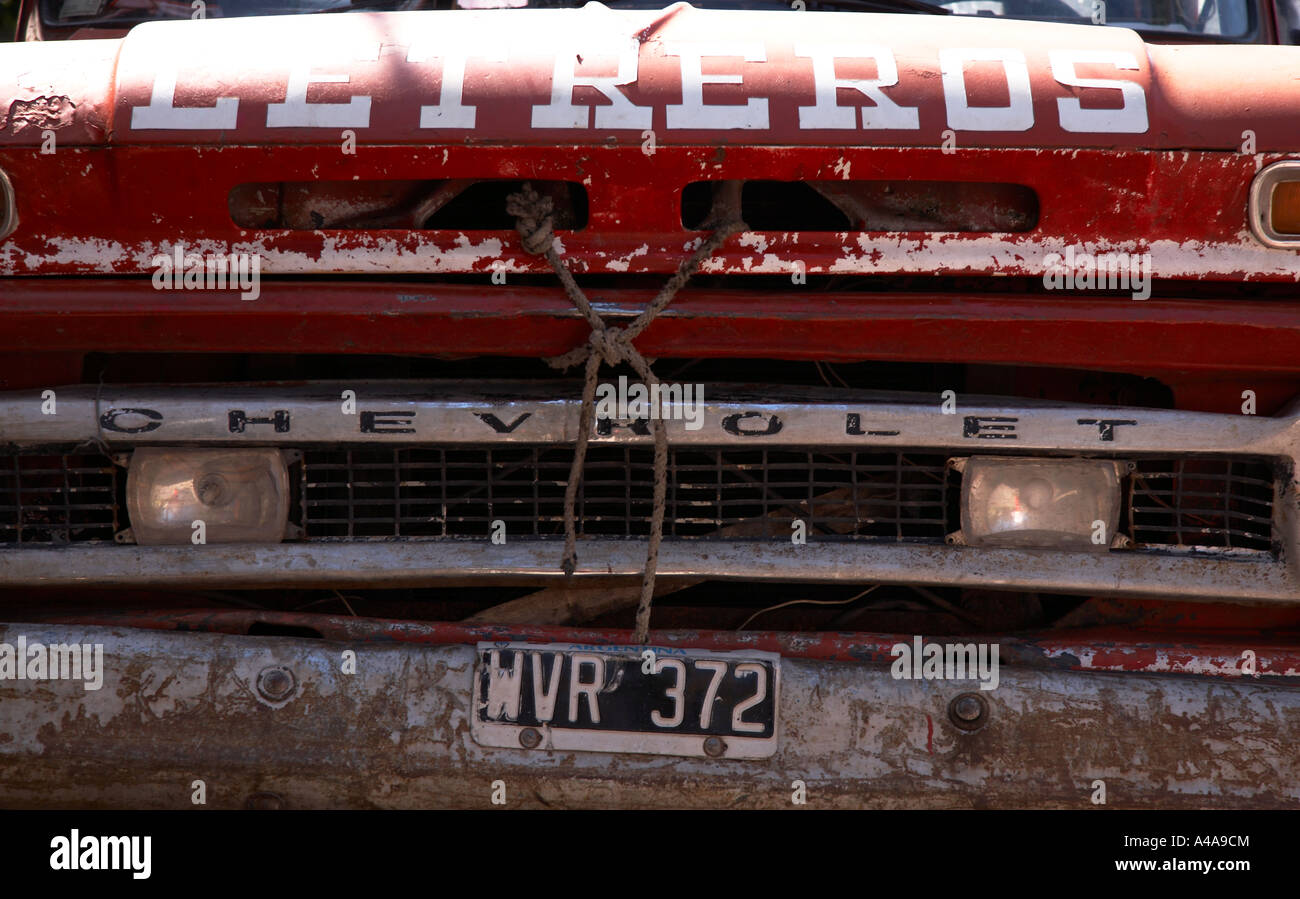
x=533, y=220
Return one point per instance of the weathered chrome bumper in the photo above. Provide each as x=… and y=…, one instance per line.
x=176, y=708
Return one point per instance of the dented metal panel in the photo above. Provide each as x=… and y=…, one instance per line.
x=174, y=708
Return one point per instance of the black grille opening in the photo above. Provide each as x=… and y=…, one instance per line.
x=468, y=204
x=720, y=493
x=58, y=499
x=1203, y=502
x=854, y=205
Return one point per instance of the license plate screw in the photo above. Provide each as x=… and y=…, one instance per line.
x=968, y=711
x=529, y=738
x=715, y=747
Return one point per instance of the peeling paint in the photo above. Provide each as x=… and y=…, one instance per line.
x=41, y=114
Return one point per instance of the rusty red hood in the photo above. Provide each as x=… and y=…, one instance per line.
x=600, y=76
x=180, y=135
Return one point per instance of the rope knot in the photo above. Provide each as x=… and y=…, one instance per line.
x=611, y=345
x=533, y=219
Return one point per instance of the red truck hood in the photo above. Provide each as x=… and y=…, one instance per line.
x=1128, y=148
x=693, y=76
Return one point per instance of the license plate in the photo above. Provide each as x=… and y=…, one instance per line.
x=647, y=699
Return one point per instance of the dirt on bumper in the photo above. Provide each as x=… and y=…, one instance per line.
x=177, y=708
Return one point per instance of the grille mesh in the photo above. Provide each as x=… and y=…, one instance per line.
x=1194, y=501
x=57, y=499
x=723, y=493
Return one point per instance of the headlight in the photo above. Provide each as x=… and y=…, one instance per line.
x=1066, y=504
x=239, y=495
x=8, y=207
x=1274, y=207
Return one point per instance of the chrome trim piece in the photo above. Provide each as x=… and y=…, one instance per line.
x=504, y=412
x=410, y=563
x=508, y=413
x=8, y=206
x=1260, y=202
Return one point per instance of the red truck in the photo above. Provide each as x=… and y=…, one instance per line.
x=865, y=403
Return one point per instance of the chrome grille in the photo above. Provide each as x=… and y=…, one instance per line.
x=713, y=493
x=1210, y=501
x=57, y=498
x=721, y=493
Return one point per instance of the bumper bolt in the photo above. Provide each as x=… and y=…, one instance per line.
x=968, y=711
x=276, y=683
x=715, y=747
x=529, y=738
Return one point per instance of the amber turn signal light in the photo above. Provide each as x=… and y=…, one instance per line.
x=1284, y=211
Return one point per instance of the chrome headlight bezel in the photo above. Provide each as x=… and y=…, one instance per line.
x=8, y=207
x=1259, y=206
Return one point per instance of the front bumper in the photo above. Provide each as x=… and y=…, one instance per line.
x=175, y=708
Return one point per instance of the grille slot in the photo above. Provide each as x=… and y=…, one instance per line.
x=58, y=499
x=1203, y=501
x=721, y=493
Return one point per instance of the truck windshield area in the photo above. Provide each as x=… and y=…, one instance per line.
x=1228, y=20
